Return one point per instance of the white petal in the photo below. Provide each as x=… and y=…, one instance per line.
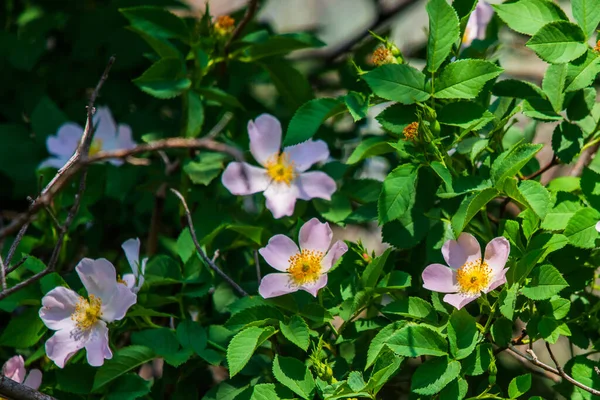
x=315, y=184
x=305, y=154
x=129, y=280
x=278, y=251
x=116, y=307
x=97, y=345
x=273, y=285
x=57, y=307
x=335, y=252
x=265, y=137
x=315, y=236
x=99, y=277
x=131, y=248
x=242, y=179
x=106, y=128
x=62, y=346
x=313, y=288
x=459, y=252
x=281, y=199
x=66, y=140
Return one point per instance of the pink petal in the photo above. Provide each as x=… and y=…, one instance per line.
x=458, y=300
x=315, y=184
x=483, y=14
x=66, y=140
x=598, y=226
x=62, y=346
x=14, y=369
x=278, y=251
x=265, y=137
x=129, y=280
x=57, y=307
x=496, y=253
x=242, y=179
x=115, y=308
x=499, y=279
x=106, y=128
x=439, y=278
x=313, y=288
x=99, y=277
x=458, y=252
x=305, y=154
x=34, y=379
x=125, y=137
x=97, y=345
x=281, y=199
x=315, y=236
x=131, y=248
x=274, y=285
x=333, y=255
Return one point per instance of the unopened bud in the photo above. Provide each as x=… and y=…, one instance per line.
x=597, y=48
x=383, y=55
x=224, y=25
x=411, y=131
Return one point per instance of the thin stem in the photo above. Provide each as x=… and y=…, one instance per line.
x=199, y=248
x=537, y=173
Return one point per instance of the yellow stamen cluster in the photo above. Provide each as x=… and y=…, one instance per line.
x=597, y=48
x=473, y=277
x=411, y=131
x=281, y=169
x=305, y=267
x=224, y=25
x=87, y=312
x=383, y=55
x=95, y=147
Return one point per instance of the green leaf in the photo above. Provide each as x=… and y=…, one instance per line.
x=469, y=207
x=195, y=114
x=567, y=141
x=51, y=281
x=372, y=272
x=161, y=46
x=292, y=86
x=518, y=89
x=407, y=231
x=157, y=22
x=129, y=387
x=510, y=162
x=558, y=217
x=443, y=32
x=587, y=15
x=554, y=85
x=397, y=117
x=163, y=342
x=582, y=369
x=123, y=361
x=507, y=300
x=465, y=114
x=433, y=375
x=581, y=228
x=293, y=374
x=398, y=193
x=464, y=79
x=217, y=95
x=307, y=120
x=546, y=282
x=378, y=343
x=462, y=334
x=412, y=308
x=479, y=361
x=558, y=42
x=528, y=16
x=398, y=82
x=164, y=79
x=501, y=331
x=581, y=106
x=537, y=196
x=540, y=109
x=519, y=386
x=191, y=336
x=296, y=331
x=243, y=345
x=254, y=233
x=205, y=168
x=75, y=378
x=557, y=307
x=24, y=330
x=163, y=270
x=253, y=315
x=417, y=340
x=582, y=72
x=457, y=389
x=279, y=45
x=357, y=105
x=369, y=147
x=551, y=330
x=385, y=368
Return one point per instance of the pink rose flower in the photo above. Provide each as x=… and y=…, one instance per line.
x=132, y=252
x=14, y=369
x=303, y=268
x=468, y=274
x=478, y=22
x=283, y=178
x=80, y=322
x=108, y=136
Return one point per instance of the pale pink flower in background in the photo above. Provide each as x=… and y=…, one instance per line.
x=107, y=136
x=598, y=226
x=283, y=178
x=80, y=322
x=468, y=274
x=478, y=22
x=303, y=268
x=135, y=280
x=14, y=369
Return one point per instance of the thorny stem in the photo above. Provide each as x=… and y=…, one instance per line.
x=199, y=248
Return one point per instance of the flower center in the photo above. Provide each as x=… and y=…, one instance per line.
x=281, y=169
x=473, y=277
x=305, y=267
x=87, y=312
x=411, y=131
x=95, y=147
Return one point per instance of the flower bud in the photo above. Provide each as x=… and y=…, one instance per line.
x=382, y=56
x=411, y=131
x=224, y=25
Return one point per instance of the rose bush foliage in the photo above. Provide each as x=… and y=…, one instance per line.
x=431, y=315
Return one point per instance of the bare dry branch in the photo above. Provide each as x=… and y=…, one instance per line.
x=18, y=391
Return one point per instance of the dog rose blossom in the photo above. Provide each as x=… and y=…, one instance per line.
x=135, y=280
x=14, y=369
x=81, y=322
x=478, y=22
x=469, y=274
x=303, y=268
x=107, y=136
x=283, y=178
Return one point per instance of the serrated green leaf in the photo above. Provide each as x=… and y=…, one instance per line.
x=157, y=22
x=558, y=42
x=128, y=387
x=417, y=340
x=195, y=114
x=587, y=15
x=558, y=217
x=398, y=82
x=581, y=228
x=379, y=341
x=567, y=141
x=357, y=105
x=24, y=330
x=411, y=308
x=470, y=206
x=369, y=147
x=292, y=86
x=465, y=114
x=501, y=331
x=553, y=85
x=540, y=109
x=373, y=270
x=253, y=315
x=192, y=336
x=516, y=88
x=582, y=71
x=296, y=331
x=479, y=360
x=398, y=193
x=546, y=282
x=519, y=386
x=443, y=32
x=464, y=79
x=164, y=79
x=528, y=16
x=433, y=375
x=510, y=162
x=397, y=117
x=293, y=374
x=273, y=45
x=537, y=196
x=307, y=120
x=123, y=361
x=507, y=300
x=243, y=345
x=462, y=334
